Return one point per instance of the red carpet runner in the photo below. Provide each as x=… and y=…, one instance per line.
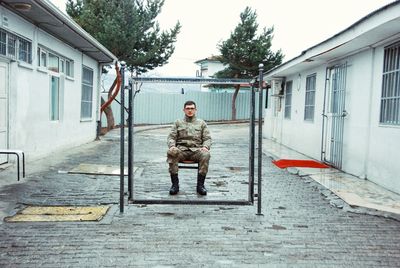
x=284, y=163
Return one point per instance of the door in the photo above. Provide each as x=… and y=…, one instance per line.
x=3, y=109
x=333, y=115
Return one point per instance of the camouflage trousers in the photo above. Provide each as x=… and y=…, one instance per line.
x=175, y=155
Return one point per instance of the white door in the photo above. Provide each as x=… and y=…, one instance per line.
x=3, y=109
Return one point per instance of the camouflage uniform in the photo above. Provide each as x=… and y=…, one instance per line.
x=189, y=135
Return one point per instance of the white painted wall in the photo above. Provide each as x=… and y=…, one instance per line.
x=212, y=68
x=370, y=150
x=30, y=126
x=382, y=164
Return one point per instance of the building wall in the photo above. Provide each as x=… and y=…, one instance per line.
x=301, y=135
x=382, y=163
x=209, y=68
x=370, y=150
x=30, y=127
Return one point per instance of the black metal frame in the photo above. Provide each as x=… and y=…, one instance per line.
x=199, y=201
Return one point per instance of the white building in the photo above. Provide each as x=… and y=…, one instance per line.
x=339, y=101
x=209, y=66
x=49, y=79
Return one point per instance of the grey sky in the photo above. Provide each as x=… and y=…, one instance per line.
x=298, y=25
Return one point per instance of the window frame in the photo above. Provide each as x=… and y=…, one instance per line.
x=309, y=104
x=20, y=50
x=44, y=62
x=55, y=106
x=85, y=86
x=288, y=99
x=389, y=114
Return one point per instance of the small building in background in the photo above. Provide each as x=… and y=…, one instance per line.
x=209, y=66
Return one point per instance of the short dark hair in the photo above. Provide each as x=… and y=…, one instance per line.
x=189, y=102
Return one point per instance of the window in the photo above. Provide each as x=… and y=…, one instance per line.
x=288, y=99
x=24, y=49
x=62, y=66
x=309, y=106
x=54, y=98
x=42, y=56
x=69, y=68
x=12, y=46
x=390, y=97
x=54, y=63
x=87, y=93
x=3, y=43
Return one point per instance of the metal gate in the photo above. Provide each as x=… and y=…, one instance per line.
x=334, y=113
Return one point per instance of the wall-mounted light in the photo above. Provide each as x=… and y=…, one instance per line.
x=22, y=6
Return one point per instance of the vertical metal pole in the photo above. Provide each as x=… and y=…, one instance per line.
x=252, y=141
x=260, y=120
x=130, y=143
x=122, y=140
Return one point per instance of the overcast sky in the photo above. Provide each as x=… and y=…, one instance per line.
x=298, y=25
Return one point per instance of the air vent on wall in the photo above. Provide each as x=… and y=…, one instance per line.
x=4, y=21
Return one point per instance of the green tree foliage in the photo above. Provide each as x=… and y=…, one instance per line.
x=244, y=50
x=128, y=28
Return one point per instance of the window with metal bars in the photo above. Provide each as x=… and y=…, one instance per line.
x=87, y=93
x=288, y=99
x=15, y=47
x=309, y=106
x=390, y=97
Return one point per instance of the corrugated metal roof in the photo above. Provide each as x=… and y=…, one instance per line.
x=48, y=17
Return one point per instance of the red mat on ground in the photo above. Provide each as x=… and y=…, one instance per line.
x=285, y=163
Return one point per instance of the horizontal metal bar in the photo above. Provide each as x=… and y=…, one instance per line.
x=191, y=202
x=188, y=167
x=190, y=80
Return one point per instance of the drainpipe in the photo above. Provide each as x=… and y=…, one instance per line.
x=371, y=87
x=98, y=113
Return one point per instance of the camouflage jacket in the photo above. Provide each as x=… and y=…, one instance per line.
x=189, y=134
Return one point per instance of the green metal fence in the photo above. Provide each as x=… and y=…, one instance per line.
x=165, y=108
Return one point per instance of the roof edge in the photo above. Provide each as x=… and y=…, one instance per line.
x=70, y=23
x=335, y=36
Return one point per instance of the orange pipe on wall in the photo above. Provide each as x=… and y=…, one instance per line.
x=115, y=89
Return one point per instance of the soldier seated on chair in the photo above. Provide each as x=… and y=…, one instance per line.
x=189, y=139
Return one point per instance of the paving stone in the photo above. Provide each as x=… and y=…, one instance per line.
x=303, y=224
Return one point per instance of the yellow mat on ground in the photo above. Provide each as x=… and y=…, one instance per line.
x=99, y=169
x=58, y=213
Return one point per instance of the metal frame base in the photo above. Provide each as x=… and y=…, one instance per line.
x=191, y=202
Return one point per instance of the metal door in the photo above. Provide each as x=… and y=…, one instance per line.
x=334, y=113
x=3, y=109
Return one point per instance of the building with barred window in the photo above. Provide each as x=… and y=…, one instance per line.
x=49, y=79
x=339, y=101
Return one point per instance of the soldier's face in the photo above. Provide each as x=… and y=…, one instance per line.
x=190, y=110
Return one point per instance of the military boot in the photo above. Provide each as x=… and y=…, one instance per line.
x=200, y=185
x=175, y=184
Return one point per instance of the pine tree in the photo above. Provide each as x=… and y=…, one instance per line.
x=128, y=28
x=244, y=50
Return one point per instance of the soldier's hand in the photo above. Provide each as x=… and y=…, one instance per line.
x=204, y=149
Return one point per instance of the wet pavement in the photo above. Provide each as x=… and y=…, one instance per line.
x=304, y=224
x=359, y=195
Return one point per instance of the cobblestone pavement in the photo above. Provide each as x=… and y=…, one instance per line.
x=299, y=228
